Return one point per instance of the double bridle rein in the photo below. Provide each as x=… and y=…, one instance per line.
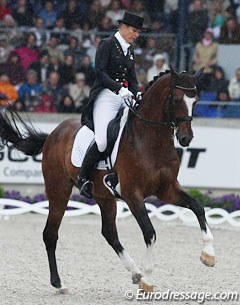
x=173, y=121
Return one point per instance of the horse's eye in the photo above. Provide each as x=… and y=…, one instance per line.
x=176, y=102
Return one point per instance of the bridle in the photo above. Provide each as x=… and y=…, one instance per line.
x=173, y=121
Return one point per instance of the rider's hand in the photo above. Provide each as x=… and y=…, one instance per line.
x=125, y=93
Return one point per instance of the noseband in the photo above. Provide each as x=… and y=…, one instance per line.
x=173, y=120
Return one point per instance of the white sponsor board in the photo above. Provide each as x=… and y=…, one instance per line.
x=211, y=161
x=15, y=167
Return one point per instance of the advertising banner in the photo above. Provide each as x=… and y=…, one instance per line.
x=211, y=161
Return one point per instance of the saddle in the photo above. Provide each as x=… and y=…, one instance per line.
x=83, y=140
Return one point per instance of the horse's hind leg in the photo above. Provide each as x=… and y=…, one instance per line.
x=207, y=256
x=109, y=231
x=58, y=195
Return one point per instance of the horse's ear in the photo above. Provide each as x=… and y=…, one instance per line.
x=173, y=72
x=198, y=74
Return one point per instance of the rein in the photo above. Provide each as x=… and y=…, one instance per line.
x=173, y=123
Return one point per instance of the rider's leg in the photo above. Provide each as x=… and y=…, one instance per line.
x=90, y=160
x=105, y=109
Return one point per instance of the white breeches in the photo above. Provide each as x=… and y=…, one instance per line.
x=105, y=108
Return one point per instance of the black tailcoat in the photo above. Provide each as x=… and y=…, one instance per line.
x=112, y=68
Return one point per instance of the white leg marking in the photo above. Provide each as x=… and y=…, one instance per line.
x=148, y=266
x=208, y=242
x=129, y=263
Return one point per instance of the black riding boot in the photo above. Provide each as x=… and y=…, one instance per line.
x=91, y=159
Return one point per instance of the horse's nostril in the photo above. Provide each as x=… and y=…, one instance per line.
x=184, y=141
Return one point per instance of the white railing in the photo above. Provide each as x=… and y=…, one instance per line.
x=164, y=213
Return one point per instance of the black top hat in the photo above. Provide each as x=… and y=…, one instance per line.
x=132, y=20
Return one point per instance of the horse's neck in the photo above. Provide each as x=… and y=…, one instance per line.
x=154, y=136
x=152, y=105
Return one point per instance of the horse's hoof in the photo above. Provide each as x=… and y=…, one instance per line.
x=62, y=290
x=146, y=287
x=136, y=278
x=207, y=259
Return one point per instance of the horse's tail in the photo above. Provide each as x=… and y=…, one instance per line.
x=28, y=140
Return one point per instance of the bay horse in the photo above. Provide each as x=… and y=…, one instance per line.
x=147, y=164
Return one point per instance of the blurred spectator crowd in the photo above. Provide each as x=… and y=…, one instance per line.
x=47, y=48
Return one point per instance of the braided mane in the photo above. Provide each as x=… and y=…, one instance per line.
x=155, y=79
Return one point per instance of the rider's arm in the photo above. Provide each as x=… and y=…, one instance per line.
x=101, y=65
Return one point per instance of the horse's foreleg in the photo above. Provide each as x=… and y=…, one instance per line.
x=139, y=211
x=109, y=231
x=207, y=256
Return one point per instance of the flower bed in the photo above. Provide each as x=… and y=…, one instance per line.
x=229, y=202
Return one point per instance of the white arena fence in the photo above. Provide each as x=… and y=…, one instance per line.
x=165, y=213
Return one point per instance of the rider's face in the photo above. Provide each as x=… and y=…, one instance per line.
x=129, y=33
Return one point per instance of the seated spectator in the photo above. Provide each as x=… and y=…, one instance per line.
x=159, y=65
x=79, y=92
x=46, y=104
x=138, y=7
x=67, y=105
x=95, y=14
x=205, y=55
x=234, y=87
x=13, y=68
x=67, y=70
x=4, y=9
x=55, y=63
x=14, y=34
x=142, y=78
x=105, y=26
x=5, y=48
x=8, y=94
x=218, y=81
x=28, y=52
x=42, y=67
x=60, y=31
x=223, y=95
x=88, y=70
x=147, y=53
x=218, y=17
x=71, y=15
x=30, y=91
x=115, y=12
x=54, y=88
x=93, y=48
x=42, y=35
x=197, y=22
x=74, y=50
x=53, y=47
x=18, y=105
x=23, y=14
x=230, y=32
x=48, y=15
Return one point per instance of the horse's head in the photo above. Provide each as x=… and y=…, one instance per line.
x=183, y=96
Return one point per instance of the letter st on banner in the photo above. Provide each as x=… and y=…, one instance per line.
x=211, y=161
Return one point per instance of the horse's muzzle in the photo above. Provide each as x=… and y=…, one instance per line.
x=184, y=140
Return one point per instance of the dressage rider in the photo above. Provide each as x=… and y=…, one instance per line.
x=115, y=82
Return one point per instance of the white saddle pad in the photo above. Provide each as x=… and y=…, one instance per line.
x=84, y=138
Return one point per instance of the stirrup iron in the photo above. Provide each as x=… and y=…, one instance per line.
x=111, y=182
